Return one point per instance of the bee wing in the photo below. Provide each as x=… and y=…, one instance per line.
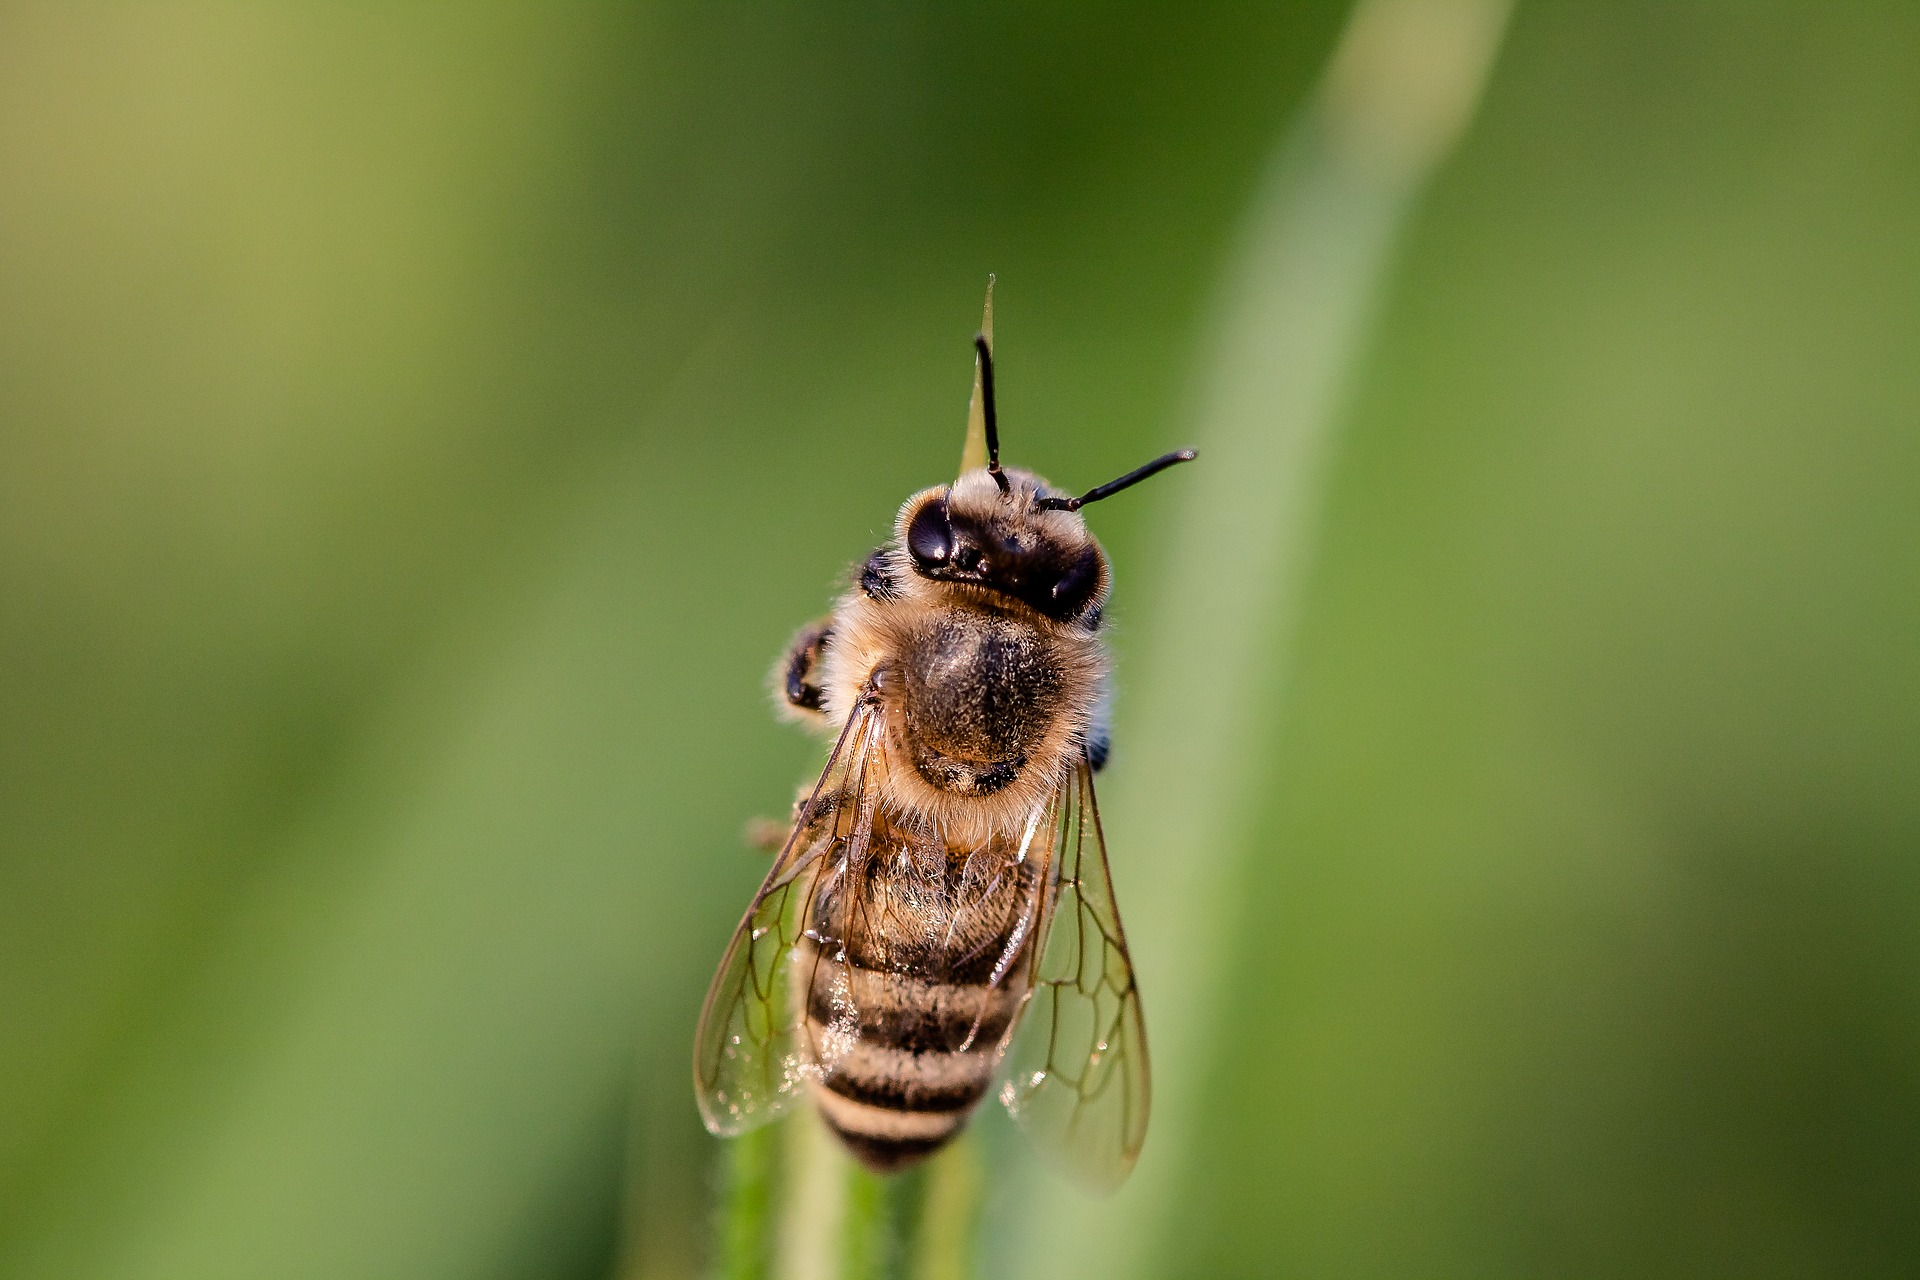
x=1078, y=1078
x=751, y=1056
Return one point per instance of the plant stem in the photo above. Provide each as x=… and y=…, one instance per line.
x=882, y=1221
x=812, y=1200
x=949, y=1214
x=974, y=454
x=745, y=1216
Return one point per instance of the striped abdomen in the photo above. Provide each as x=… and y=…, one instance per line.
x=902, y=1014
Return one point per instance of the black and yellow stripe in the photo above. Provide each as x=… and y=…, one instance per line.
x=903, y=1016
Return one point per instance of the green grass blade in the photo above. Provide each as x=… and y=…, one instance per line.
x=745, y=1216
x=949, y=1214
x=1290, y=326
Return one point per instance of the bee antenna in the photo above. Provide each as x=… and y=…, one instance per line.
x=1112, y=487
x=981, y=345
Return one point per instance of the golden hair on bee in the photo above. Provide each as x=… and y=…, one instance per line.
x=945, y=880
x=941, y=637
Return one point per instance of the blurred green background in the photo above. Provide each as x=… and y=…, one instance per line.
x=420, y=427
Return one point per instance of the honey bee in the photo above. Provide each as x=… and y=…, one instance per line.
x=942, y=901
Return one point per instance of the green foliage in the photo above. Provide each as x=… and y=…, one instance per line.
x=422, y=428
x=882, y=1222
x=745, y=1208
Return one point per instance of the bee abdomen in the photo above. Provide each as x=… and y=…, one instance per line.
x=905, y=1013
x=933, y=1082
x=904, y=1059
x=880, y=1153
x=893, y=1107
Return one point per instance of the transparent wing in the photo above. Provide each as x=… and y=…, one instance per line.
x=1078, y=1076
x=751, y=1056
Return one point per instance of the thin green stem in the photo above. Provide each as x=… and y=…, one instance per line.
x=745, y=1218
x=882, y=1221
x=949, y=1214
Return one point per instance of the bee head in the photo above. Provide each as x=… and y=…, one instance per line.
x=970, y=532
x=1009, y=532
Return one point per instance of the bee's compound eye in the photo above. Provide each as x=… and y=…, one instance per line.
x=1075, y=587
x=930, y=537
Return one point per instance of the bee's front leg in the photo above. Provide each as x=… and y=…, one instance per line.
x=796, y=679
x=1099, y=745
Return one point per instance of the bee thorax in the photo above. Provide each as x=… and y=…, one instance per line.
x=978, y=692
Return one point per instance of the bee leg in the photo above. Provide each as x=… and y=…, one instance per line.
x=768, y=835
x=797, y=678
x=876, y=577
x=1099, y=746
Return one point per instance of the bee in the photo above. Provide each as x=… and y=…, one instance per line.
x=942, y=904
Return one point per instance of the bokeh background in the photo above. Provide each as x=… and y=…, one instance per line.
x=421, y=426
